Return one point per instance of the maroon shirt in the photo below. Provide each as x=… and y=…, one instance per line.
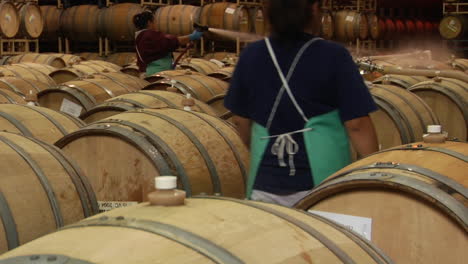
x=153, y=45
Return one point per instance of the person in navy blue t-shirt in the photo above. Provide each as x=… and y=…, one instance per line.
x=297, y=100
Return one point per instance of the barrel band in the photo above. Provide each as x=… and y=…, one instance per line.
x=44, y=259
x=337, y=251
x=427, y=191
x=193, y=241
x=453, y=185
x=200, y=81
x=9, y=224
x=74, y=176
x=201, y=148
x=13, y=87
x=228, y=141
x=22, y=128
x=48, y=117
x=397, y=118
x=105, y=89
x=449, y=152
x=8, y=97
x=106, y=107
x=54, y=204
x=130, y=101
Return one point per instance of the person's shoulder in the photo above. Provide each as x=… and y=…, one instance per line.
x=332, y=46
x=253, y=47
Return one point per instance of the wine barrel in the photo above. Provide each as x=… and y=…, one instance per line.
x=140, y=100
x=402, y=81
x=90, y=56
x=200, y=65
x=204, y=230
x=122, y=58
x=66, y=75
x=420, y=190
x=177, y=19
x=390, y=29
x=22, y=86
x=374, y=26
x=26, y=72
x=224, y=74
x=82, y=95
x=9, y=20
x=10, y=97
x=116, y=22
x=448, y=98
x=460, y=64
x=350, y=25
x=200, y=87
x=47, y=59
x=80, y=23
x=410, y=27
x=454, y=27
x=327, y=27
x=168, y=74
x=51, y=15
x=134, y=83
x=96, y=66
x=69, y=59
x=41, y=190
x=257, y=21
x=132, y=70
x=44, y=68
x=400, y=28
x=31, y=20
x=205, y=153
x=221, y=56
x=217, y=104
x=226, y=16
x=38, y=122
x=402, y=117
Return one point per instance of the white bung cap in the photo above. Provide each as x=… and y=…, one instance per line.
x=434, y=129
x=165, y=182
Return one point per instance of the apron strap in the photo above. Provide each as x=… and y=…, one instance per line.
x=286, y=80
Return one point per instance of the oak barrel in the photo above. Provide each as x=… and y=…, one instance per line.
x=96, y=66
x=26, y=72
x=403, y=81
x=448, y=98
x=48, y=59
x=327, y=27
x=224, y=74
x=66, y=75
x=134, y=83
x=116, y=22
x=205, y=153
x=200, y=87
x=22, y=86
x=140, y=100
x=44, y=68
x=217, y=103
x=416, y=196
x=177, y=19
x=41, y=190
x=454, y=27
x=31, y=20
x=51, y=15
x=80, y=23
x=200, y=65
x=122, y=58
x=402, y=117
x=374, y=26
x=257, y=20
x=69, y=59
x=350, y=25
x=38, y=122
x=10, y=97
x=205, y=230
x=81, y=94
x=9, y=20
x=132, y=70
x=168, y=74
x=90, y=56
x=227, y=16
x=460, y=64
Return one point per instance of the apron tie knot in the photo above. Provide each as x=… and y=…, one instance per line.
x=286, y=143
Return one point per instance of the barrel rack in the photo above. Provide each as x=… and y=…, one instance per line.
x=456, y=8
x=18, y=46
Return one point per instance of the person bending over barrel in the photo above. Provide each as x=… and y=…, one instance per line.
x=298, y=99
x=153, y=48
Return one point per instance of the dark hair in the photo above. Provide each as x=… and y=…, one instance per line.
x=141, y=20
x=288, y=18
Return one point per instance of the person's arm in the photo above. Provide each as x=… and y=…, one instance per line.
x=362, y=134
x=244, y=127
x=184, y=40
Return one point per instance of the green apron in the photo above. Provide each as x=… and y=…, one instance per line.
x=325, y=137
x=163, y=64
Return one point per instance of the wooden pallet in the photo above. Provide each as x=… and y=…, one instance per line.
x=455, y=8
x=18, y=46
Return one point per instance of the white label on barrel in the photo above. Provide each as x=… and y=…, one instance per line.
x=8, y=17
x=105, y=206
x=230, y=10
x=71, y=108
x=350, y=18
x=31, y=18
x=360, y=225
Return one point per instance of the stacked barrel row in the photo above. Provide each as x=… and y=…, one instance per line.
x=20, y=20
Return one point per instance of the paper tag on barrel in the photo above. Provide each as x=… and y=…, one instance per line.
x=360, y=225
x=230, y=10
x=105, y=206
x=70, y=108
